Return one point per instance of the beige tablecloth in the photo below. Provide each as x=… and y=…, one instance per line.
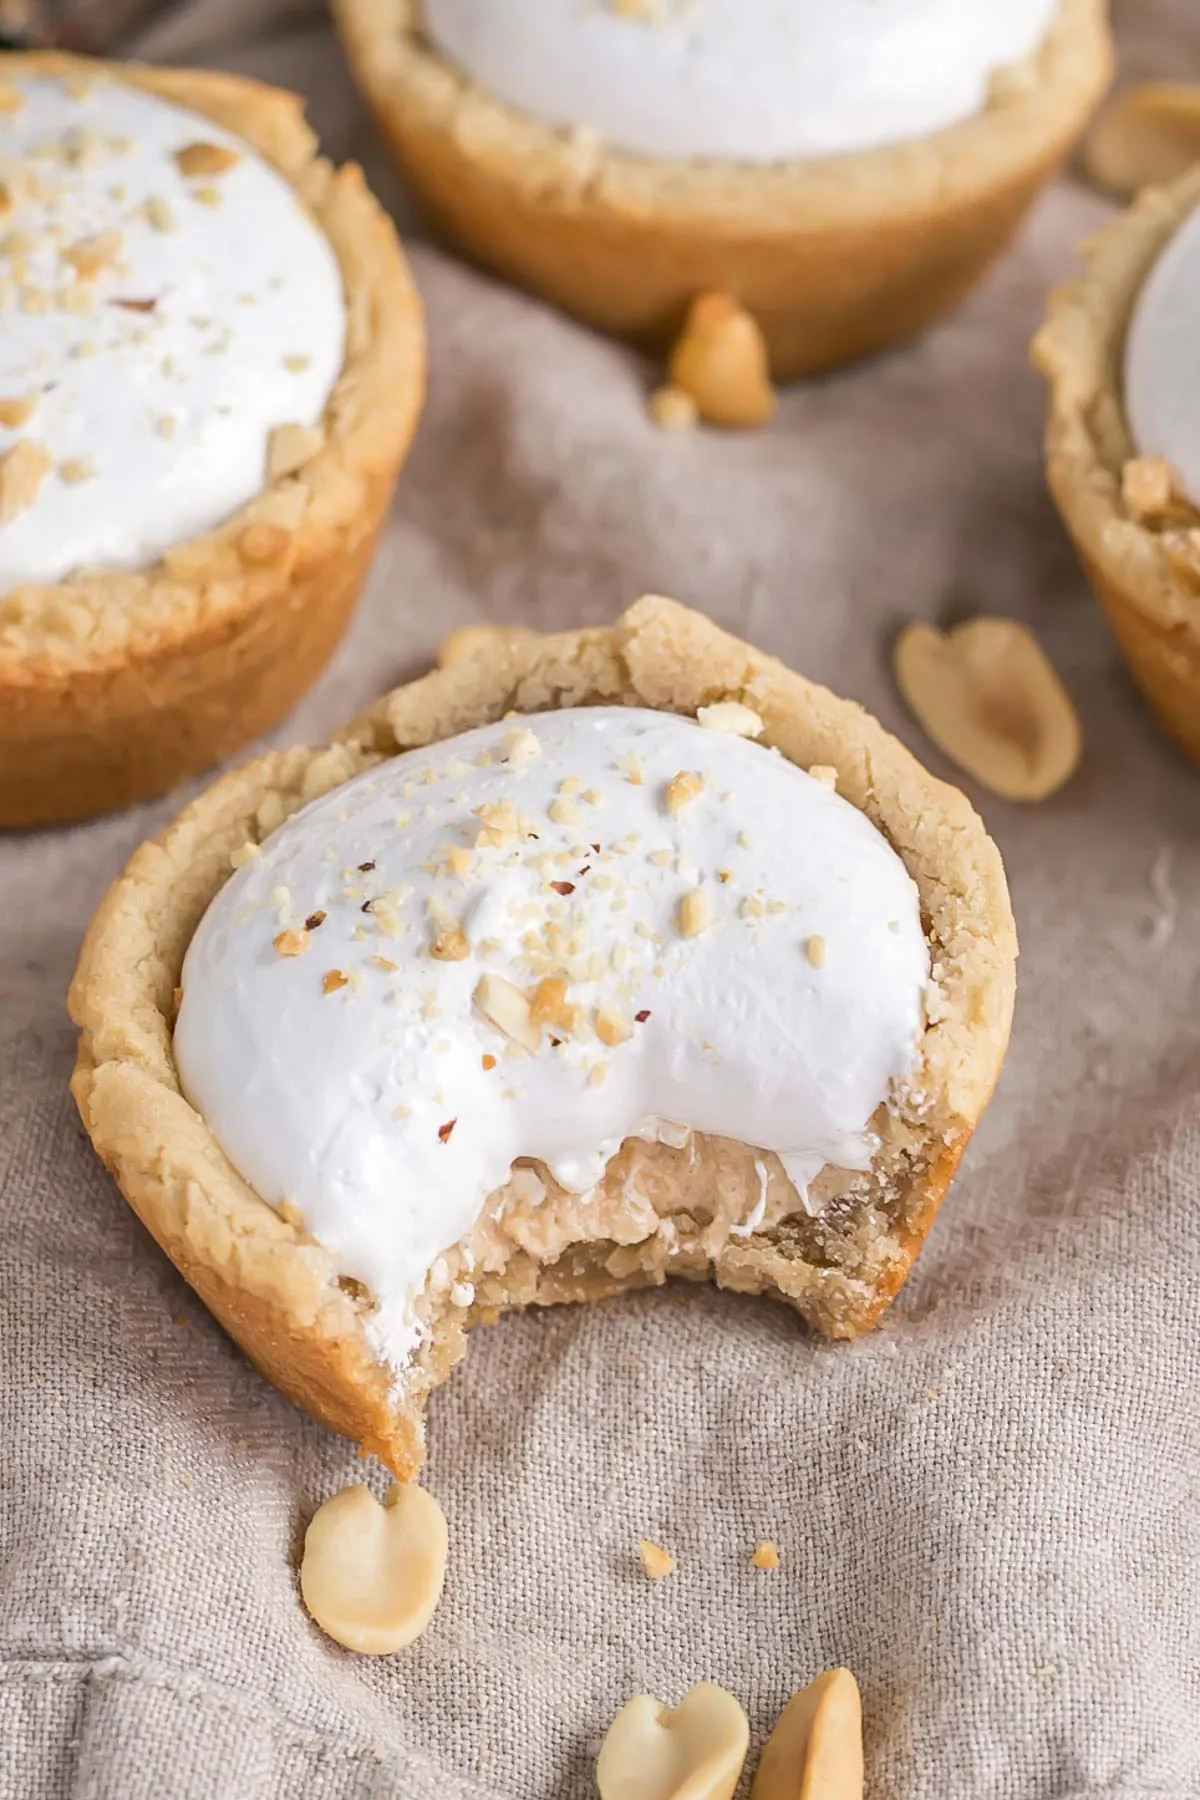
x=990, y=1509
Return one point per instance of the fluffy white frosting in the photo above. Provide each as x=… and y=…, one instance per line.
x=162, y=324
x=1162, y=360
x=740, y=80
x=360, y=1081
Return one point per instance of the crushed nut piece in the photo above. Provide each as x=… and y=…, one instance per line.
x=159, y=214
x=314, y=921
x=205, y=159
x=721, y=361
x=508, y=1009
x=673, y=409
x=522, y=747
x=290, y=447
x=450, y=946
x=291, y=943
x=681, y=788
x=693, y=1753
x=695, y=914
x=333, y=980
x=563, y=811
x=445, y=1130
x=732, y=717
x=77, y=469
x=612, y=1027
x=766, y=1555
x=815, y=950
x=1145, y=137
x=22, y=472
x=656, y=1561
x=372, y=1575
x=815, y=1751
x=17, y=412
x=489, y=1062
x=989, y=697
x=92, y=254
x=548, y=1003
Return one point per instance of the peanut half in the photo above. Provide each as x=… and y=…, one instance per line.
x=721, y=361
x=372, y=1575
x=989, y=697
x=815, y=1751
x=1148, y=134
x=695, y=1752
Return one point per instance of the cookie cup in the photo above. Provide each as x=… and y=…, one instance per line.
x=115, y=685
x=838, y=1261
x=835, y=256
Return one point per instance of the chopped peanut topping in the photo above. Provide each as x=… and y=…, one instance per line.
x=17, y=412
x=92, y=254
x=766, y=1555
x=508, y=1010
x=681, y=788
x=522, y=747
x=22, y=472
x=205, y=159
x=815, y=950
x=563, y=811
x=732, y=717
x=549, y=1002
x=291, y=943
x=450, y=946
x=695, y=914
x=334, y=979
x=656, y=1561
x=612, y=1027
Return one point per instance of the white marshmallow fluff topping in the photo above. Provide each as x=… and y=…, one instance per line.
x=1162, y=360
x=166, y=304
x=537, y=940
x=740, y=80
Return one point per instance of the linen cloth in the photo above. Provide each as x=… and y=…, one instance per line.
x=989, y=1509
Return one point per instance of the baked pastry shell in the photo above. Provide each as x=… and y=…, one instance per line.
x=1146, y=576
x=114, y=686
x=276, y=1291
x=835, y=256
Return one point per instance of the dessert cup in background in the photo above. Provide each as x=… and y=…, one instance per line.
x=515, y=994
x=212, y=365
x=846, y=176
x=1120, y=352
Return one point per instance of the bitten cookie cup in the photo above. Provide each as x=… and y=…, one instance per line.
x=1141, y=553
x=704, y=1207
x=836, y=256
x=121, y=678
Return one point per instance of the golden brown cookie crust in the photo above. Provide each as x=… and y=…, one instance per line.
x=1146, y=575
x=114, y=686
x=279, y=1294
x=835, y=256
